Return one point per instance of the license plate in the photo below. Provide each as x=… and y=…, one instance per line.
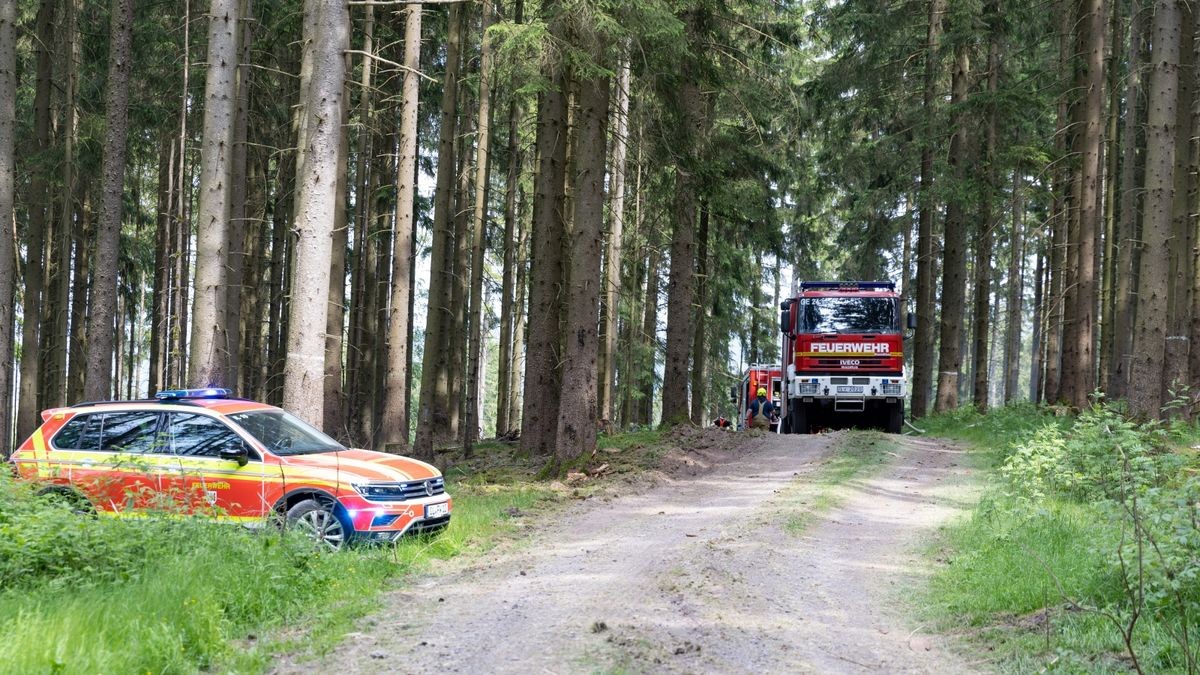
x=437, y=510
x=849, y=389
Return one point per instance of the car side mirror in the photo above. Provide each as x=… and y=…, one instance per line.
x=733, y=394
x=912, y=321
x=236, y=453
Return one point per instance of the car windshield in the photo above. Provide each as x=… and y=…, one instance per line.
x=849, y=315
x=283, y=434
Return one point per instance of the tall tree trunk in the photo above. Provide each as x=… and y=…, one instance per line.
x=433, y=416
x=1175, y=361
x=394, y=429
x=955, y=262
x=612, y=256
x=1145, y=381
x=1035, y=346
x=472, y=425
x=681, y=281
x=515, y=382
x=987, y=221
x=539, y=413
x=922, y=383
x=456, y=334
x=699, y=360
x=576, y=428
x=1079, y=374
x=1109, y=207
x=1016, y=289
x=1193, y=204
x=333, y=417
x=1126, y=235
x=238, y=224
x=208, y=363
x=650, y=328
x=8, y=97
x=181, y=228
x=29, y=397
x=1060, y=223
x=160, y=313
x=316, y=209
x=514, y=158
x=108, y=232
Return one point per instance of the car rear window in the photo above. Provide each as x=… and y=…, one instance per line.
x=133, y=431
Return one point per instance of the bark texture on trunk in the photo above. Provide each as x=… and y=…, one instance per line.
x=30, y=396
x=208, y=364
x=514, y=158
x=1145, y=382
x=1079, y=375
x=954, y=281
x=433, y=414
x=472, y=424
x=316, y=207
x=922, y=384
x=1127, y=241
x=576, y=429
x=612, y=256
x=8, y=97
x=699, y=352
x=101, y=319
x=1016, y=290
x=394, y=430
x=539, y=413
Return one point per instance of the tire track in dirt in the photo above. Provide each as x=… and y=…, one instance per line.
x=694, y=575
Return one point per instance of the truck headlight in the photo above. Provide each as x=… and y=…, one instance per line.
x=808, y=388
x=891, y=389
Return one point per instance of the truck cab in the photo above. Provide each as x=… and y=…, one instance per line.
x=843, y=347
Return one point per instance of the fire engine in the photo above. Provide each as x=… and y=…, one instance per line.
x=767, y=376
x=844, y=355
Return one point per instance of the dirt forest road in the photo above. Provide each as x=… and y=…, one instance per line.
x=699, y=574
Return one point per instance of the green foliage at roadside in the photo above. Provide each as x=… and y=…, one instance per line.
x=1089, y=534
x=83, y=594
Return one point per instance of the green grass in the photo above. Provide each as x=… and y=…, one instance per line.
x=859, y=453
x=1032, y=584
x=190, y=595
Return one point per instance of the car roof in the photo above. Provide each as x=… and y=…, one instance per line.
x=224, y=406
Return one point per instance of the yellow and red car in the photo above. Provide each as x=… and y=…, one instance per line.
x=201, y=451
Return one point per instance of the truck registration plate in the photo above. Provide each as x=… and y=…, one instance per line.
x=849, y=389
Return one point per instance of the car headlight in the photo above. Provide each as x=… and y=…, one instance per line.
x=390, y=491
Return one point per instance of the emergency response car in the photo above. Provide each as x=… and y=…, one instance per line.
x=204, y=452
x=757, y=376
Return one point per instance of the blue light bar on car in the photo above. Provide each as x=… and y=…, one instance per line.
x=211, y=392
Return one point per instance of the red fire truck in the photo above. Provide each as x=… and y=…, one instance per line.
x=844, y=350
x=766, y=376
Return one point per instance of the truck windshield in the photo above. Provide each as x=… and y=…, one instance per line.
x=284, y=434
x=849, y=315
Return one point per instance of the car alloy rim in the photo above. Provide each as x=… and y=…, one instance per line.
x=324, y=527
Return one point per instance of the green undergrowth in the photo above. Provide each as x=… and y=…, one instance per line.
x=176, y=595
x=85, y=594
x=1087, y=534
x=858, y=454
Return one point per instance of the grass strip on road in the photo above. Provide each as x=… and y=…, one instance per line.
x=858, y=454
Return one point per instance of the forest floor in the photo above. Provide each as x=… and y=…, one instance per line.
x=728, y=561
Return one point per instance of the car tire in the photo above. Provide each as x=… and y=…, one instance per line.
x=78, y=504
x=321, y=522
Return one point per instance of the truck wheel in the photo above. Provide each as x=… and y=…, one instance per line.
x=798, y=416
x=895, y=418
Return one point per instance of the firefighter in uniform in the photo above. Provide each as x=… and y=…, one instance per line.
x=760, y=411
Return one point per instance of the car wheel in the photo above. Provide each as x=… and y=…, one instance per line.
x=321, y=522
x=78, y=504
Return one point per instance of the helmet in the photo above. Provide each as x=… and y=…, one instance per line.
x=762, y=391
